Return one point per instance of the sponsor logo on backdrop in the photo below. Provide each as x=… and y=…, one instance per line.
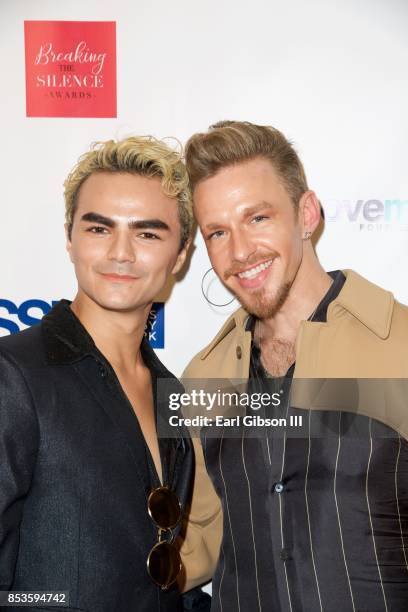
x=154, y=330
x=30, y=312
x=26, y=314
x=70, y=68
x=369, y=215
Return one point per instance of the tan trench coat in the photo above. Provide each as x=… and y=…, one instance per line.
x=365, y=337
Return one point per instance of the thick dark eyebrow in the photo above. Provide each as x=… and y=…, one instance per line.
x=157, y=224
x=97, y=218
x=247, y=212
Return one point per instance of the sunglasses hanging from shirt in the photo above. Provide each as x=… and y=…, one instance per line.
x=163, y=561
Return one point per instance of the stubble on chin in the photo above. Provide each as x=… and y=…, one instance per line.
x=263, y=306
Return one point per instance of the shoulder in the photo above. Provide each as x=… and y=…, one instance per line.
x=400, y=319
x=373, y=306
x=18, y=419
x=233, y=326
x=25, y=348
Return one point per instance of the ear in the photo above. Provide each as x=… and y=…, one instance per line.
x=309, y=212
x=68, y=243
x=181, y=258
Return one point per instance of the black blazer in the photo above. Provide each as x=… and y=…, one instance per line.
x=75, y=472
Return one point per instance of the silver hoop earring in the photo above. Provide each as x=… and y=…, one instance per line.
x=206, y=298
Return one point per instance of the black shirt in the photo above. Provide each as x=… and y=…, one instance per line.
x=313, y=522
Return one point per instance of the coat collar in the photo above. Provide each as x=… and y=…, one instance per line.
x=367, y=302
x=67, y=341
x=370, y=304
x=65, y=338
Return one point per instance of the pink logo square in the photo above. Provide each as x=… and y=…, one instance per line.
x=70, y=68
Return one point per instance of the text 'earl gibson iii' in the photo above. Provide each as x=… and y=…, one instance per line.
x=236, y=421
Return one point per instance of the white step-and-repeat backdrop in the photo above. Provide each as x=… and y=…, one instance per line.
x=330, y=74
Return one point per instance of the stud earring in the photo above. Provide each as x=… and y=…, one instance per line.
x=307, y=235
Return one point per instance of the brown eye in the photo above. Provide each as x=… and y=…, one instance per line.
x=149, y=236
x=96, y=229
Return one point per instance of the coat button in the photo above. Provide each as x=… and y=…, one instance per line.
x=284, y=555
x=238, y=352
x=278, y=487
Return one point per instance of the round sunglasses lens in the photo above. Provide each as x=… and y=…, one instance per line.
x=164, y=564
x=164, y=508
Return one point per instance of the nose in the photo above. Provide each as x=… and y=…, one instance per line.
x=122, y=248
x=241, y=245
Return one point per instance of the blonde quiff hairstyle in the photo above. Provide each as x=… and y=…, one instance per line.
x=140, y=155
x=230, y=142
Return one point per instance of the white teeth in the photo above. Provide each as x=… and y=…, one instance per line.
x=254, y=271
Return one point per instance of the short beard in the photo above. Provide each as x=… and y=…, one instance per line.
x=262, y=307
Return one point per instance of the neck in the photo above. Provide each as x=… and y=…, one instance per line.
x=117, y=334
x=308, y=289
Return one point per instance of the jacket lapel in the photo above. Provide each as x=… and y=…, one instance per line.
x=174, y=443
x=66, y=342
x=118, y=412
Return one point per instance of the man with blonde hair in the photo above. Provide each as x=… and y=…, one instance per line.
x=312, y=512
x=90, y=498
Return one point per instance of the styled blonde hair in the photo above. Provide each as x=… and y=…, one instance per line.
x=230, y=142
x=141, y=155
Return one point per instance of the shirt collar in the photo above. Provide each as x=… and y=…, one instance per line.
x=67, y=341
x=320, y=313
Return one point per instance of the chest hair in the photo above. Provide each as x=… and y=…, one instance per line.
x=277, y=356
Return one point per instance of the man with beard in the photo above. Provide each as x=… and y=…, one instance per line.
x=314, y=519
x=90, y=498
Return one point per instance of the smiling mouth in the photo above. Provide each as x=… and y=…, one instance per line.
x=118, y=277
x=252, y=272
